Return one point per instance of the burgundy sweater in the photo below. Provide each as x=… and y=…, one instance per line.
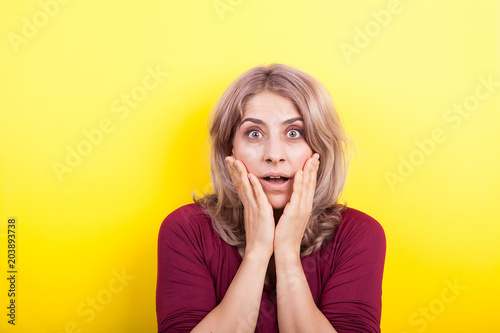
x=196, y=267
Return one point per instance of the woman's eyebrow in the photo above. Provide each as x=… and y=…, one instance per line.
x=260, y=122
x=292, y=120
x=253, y=120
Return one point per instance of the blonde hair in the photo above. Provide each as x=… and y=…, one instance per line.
x=323, y=133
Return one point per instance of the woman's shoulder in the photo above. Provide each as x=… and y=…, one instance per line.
x=190, y=220
x=187, y=213
x=361, y=224
x=359, y=239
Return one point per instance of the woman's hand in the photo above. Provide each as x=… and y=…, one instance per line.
x=257, y=211
x=293, y=221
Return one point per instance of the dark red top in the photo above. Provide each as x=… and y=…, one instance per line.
x=196, y=267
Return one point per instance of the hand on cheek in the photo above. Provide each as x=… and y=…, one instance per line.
x=293, y=222
x=257, y=211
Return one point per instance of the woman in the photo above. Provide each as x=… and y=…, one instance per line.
x=272, y=249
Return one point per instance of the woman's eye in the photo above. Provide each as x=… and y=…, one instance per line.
x=294, y=134
x=254, y=135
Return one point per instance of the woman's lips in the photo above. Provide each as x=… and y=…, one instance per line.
x=276, y=183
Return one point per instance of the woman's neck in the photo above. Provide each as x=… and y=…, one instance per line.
x=277, y=215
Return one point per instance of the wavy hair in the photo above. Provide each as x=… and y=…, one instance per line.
x=323, y=133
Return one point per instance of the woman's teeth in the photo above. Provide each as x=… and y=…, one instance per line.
x=276, y=179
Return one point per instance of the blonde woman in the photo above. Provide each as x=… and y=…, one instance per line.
x=272, y=249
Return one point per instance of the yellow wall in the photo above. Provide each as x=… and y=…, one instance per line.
x=103, y=125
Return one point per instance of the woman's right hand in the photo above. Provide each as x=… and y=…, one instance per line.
x=257, y=211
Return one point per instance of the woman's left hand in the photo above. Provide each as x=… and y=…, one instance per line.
x=293, y=221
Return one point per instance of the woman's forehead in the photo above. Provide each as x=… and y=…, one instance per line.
x=271, y=107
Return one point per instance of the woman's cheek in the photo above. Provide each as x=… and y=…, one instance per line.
x=248, y=155
x=302, y=155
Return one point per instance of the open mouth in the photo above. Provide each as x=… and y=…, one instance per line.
x=276, y=180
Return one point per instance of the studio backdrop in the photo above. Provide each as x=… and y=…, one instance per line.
x=103, y=128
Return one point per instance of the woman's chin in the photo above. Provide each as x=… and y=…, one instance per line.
x=278, y=202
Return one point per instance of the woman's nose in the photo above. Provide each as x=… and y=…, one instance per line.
x=275, y=151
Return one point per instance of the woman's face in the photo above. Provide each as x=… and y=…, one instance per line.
x=270, y=142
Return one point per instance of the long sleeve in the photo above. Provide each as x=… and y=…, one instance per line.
x=185, y=291
x=195, y=269
x=351, y=297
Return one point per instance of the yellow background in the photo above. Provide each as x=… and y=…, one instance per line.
x=66, y=66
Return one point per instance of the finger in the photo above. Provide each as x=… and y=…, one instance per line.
x=314, y=169
x=246, y=187
x=238, y=179
x=310, y=171
x=230, y=165
x=233, y=172
x=312, y=183
x=258, y=190
x=307, y=170
x=297, y=187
